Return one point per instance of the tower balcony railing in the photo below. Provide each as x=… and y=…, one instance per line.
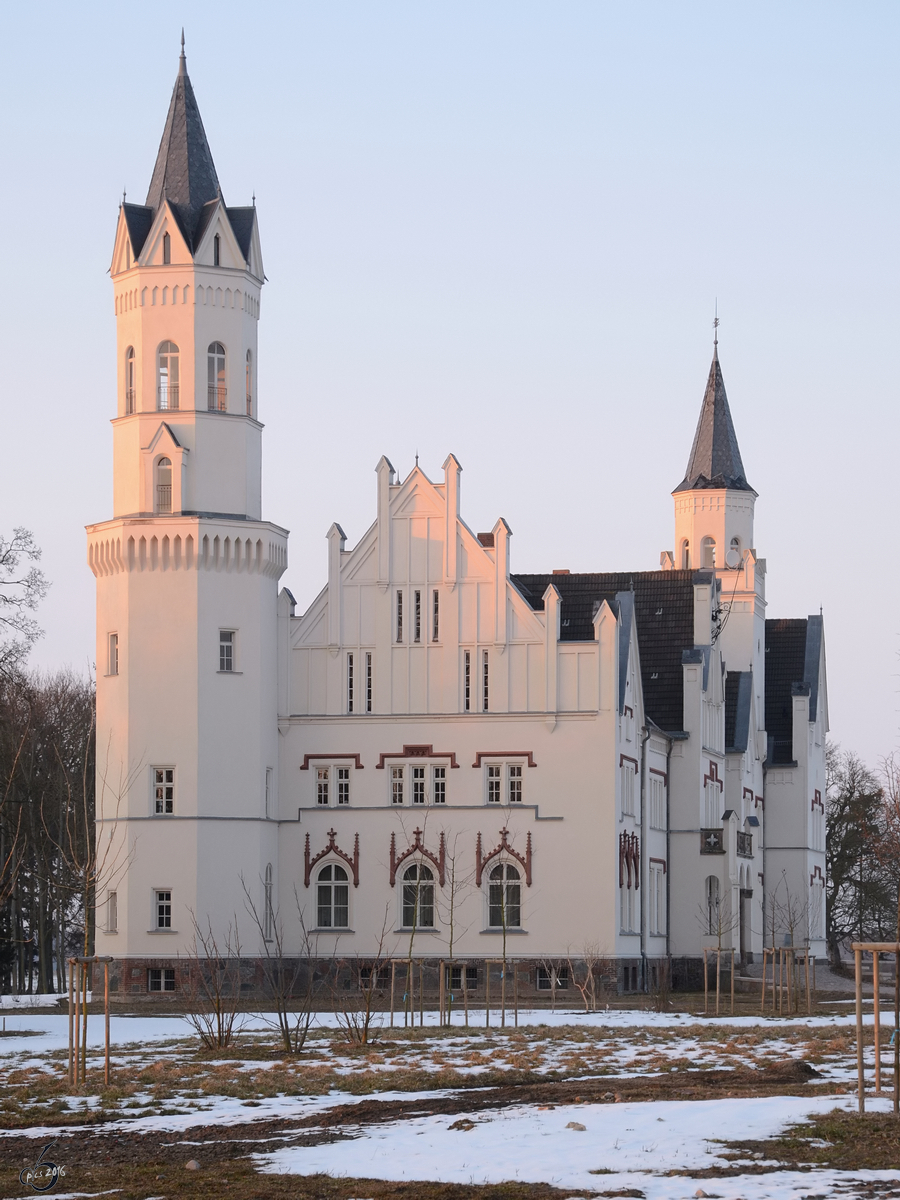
x=745, y=844
x=216, y=398
x=167, y=396
x=164, y=497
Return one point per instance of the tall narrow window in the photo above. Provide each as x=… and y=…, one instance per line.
x=217, y=251
x=163, y=903
x=164, y=485
x=268, y=907
x=399, y=616
x=216, y=393
x=396, y=785
x=708, y=552
x=485, y=682
x=418, y=897
x=113, y=654
x=418, y=785
x=226, y=649
x=435, y=615
x=712, y=905
x=685, y=556
x=163, y=791
x=467, y=680
x=333, y=898
x=322, y=786
x=369, y=682
x=249, y=383
x=343, y=785
x=349, y=683
x=270, y=792
x=167, y=377
x=494, y=783
x=167, y=249
x=112, y=912
x=504, y=898
x=439, y=785
x=129, y=380
x=628, y=789
x=515, y=783
x=418, y=617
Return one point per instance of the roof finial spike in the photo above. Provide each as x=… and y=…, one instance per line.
x=182, y=61
x=417, y=458
x=716, y=331
x=254, y=197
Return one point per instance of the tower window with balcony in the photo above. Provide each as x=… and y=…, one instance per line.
x=217, y=251
x=167, y=249
x=129, y=380
x=164, y=485
x=249, y=383
x=216, y=395
x=167, y=377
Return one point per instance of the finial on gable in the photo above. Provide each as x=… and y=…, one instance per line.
x=716, y=331
x=182, y=61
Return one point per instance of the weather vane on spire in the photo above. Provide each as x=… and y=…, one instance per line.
x=716, y=325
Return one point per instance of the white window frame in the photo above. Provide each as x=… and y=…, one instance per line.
x=505, y=882
x=331, y=884
x=164, y=975
x=418, y=883
x=435, y=615
x=515, y=776
x=163, y=784
x=342, y=779
x=438, y=784
x=417, y=615
x=350, y=682
x=467, y=681
x=627, y=909
x=323, y=787
x=112, y=643
x=398, y=779
x=399, y=616
x=418, y=776
x=112, y=912
x=629, y=776
x=485, y=682
x=657, y=801
x=227, y=652
x=503, y=781
x=270, y=792
x=493, y=776
x=369, y=687
x=268, y=906
x=162, y=909
x=657, y=914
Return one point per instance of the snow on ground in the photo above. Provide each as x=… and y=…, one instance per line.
x=632, y=1141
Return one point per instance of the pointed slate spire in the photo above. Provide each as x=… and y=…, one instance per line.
x=184, y=174
x=715, y=460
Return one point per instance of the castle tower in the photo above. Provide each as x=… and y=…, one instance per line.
x=187, y=570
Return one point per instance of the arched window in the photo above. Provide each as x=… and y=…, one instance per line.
x=249, y=383
x=167, y=377
x=164, y=485
x=216, y=398
x=418, y=897
x=333, y=898
x=685, y=555
x=712, y=904
x=167, y=249
x=708, y=551
x=217, y=251
x=129, y=380
x=268, y=909
x=733, y=557
x=504, y=897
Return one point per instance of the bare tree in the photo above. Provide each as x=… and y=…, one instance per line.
x=354, y=1005
x=214, y=985
x=459, y=884
x=595, y=966
x=22, y=587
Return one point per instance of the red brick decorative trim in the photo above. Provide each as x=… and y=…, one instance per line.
x=662, y=774
x=308, y=758
x=480, y=754
x=629, y=860
x=816, y=801
x=481, y=861
x=416, y=751
x=817, y=876
x=660, y=862
x=713, y=776
x=624, y=758
x=331, y=848
x=418, y=847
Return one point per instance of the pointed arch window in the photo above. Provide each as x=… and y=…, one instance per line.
x=216, y=395
x=217, y=251
x=249, y=376
x=164, y=485
x=708, y=551
x=129, y=380
x=167, y=249
x=167, y=377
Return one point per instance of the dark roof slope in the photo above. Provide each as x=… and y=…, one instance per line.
x=715, y=460
x=242, y=223
x=785, y=662
x=738, y=697
x=138, y=219
x=663, y=615
x=185, y=173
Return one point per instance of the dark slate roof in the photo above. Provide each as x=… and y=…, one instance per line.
x=785, y=666
x=738, y=698
x=663, y=615
x=242, y=224
x=715, y=460
x=184, y=174
x=138, y=219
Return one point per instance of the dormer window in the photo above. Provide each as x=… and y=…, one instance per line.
x=164, y=485
x=167, y=249
x=129, y=380
x=217, y=249
x=216, y=396
x=708, y=547
x=685, y=555
x=167, y=377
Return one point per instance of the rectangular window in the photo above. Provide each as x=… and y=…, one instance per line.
x=399, y=616
x=711, y=805
x=657, y=915
x=456, y=975
x=343, y=785
x=515, y=783
x=113, y=654
x=485, y=681
x=112, y=913
x=494, y=782
x=163, y=791
x=418, y=785
x=418, y=617
x=626, y=904
x=161, y=979
x=627, y=789
x=551, y=977
x=467, y=681
x=226, y=650
x=349, y=683
x=657, y=802
x=439, y=784
x=322, y=785
x=368, y=683
x=435, y=615
x=163, y=904
x=396, y=785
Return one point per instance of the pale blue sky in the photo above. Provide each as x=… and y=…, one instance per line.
x=497, y=229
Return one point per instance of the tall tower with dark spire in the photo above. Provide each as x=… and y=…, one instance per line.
x=187, y=570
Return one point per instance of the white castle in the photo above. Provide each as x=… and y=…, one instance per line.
x=630, y=762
